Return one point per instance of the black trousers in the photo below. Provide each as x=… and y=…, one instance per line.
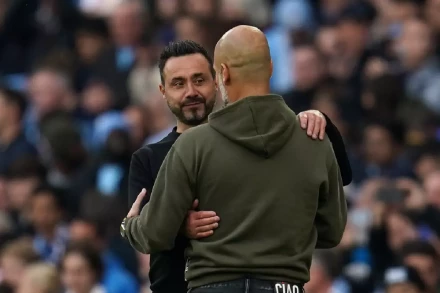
x=249, y=285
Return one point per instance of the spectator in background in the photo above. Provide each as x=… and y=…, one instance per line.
x=66, y=157
x=82, y=269
x=382, y=153
x=51, y=234
x=415, y=49
x=31, y=29
x=425, y=259
x=288, y=16
x=49, y=91
x=381, y=97
x=14, y=259
x=91, y=38
x=115, y=278
x=97, y=98
x=22, y=177
x=398, y=12
x=127, y=23
x=309, y=71
x=13, y=143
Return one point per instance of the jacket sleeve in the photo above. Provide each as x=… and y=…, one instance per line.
x=140, y=175
x=340, y=152
x=331, y=216
x=156, y=228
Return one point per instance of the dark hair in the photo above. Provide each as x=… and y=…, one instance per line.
x=99, y=226
x=182, y=48
x=415, y=2
x=90, y=254
x=360, y=12
x=306, y=44
x=93, y=25
x=419, y=247
x=395, y=128
x=45, y=189
x=26, y=167
x=15, y=98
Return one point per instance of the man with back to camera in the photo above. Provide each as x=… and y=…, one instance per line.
x=147, y=160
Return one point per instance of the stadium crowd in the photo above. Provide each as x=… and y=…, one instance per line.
x=79, y=94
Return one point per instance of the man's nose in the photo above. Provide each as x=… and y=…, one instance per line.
x=191, y=90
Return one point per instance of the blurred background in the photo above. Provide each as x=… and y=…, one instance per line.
x=79, y=93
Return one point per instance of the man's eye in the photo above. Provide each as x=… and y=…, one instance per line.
x=178, y=83
x=199, y=81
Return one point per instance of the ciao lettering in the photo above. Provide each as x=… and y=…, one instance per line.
x=287, y=288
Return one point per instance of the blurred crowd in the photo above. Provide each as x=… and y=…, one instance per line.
x=79, y=94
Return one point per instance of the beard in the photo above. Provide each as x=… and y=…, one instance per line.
x=223, y=92
x=193, y=116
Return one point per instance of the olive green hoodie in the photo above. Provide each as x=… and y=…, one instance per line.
x=277, y=192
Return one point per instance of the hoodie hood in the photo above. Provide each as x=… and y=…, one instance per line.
x=261, y=124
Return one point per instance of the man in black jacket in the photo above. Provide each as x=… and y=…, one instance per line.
x=189, y=87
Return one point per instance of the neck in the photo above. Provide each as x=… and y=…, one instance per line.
x=10, y=133
x=182, y=127
x=48, y=234
x=247, y=90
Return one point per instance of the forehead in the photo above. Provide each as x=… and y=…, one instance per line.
x=186, y=66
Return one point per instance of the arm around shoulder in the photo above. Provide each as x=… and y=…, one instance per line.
x=331, y=216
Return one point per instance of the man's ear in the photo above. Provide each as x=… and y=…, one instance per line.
x=162, y=90
x=226, y=75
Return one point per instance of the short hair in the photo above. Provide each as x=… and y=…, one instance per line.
x=99, y=226
x=22, y=249
x=26, y=167
x=14, y=98
x=311, y=46
x=182, y=48
x=54, y=193
x=86, y=250
x=396, y=129
x=419, y=247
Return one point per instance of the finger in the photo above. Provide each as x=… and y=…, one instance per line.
x=303, y=120
x=311, y=125
x=206, y=228
x=204, y=214
x=322, y=131
x=316, y=128
x=204, y=234
x=206, y=221
x=195, y=204
x=140, y=197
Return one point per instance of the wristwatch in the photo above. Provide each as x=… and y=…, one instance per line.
x=122, y=228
